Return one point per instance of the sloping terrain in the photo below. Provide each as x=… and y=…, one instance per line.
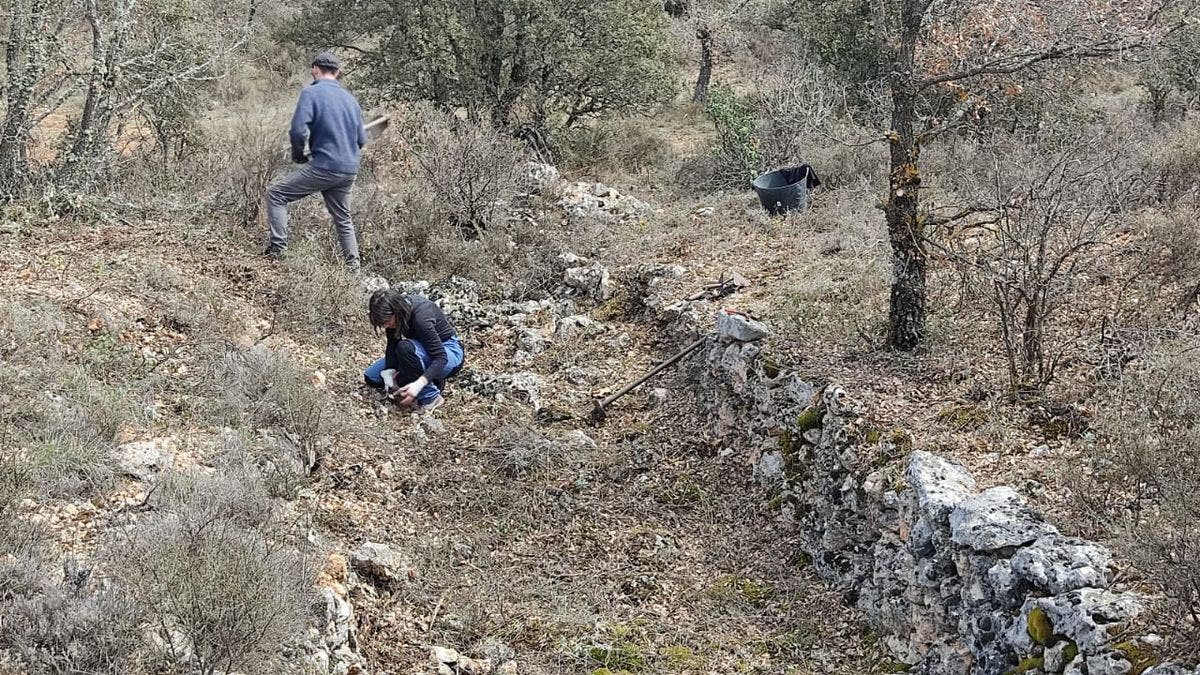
x=529, y=536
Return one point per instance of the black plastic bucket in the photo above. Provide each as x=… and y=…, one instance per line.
x=786, y=189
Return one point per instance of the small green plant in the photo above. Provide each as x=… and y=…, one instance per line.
x=739, y=152
x=621, y=656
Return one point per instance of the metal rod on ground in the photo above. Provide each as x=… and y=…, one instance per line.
x=598, y=412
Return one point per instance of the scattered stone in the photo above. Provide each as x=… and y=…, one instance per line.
x=591, y=281
x=379, y=561
x=531, y=341
x=443, y=656
x=431, y=425
x=572, y=326
x=593, y=201
x=498, y=652
x=142, y=460
x=524, y=386
x=578, y=440
x=538, y=178
x=1108, y=662
x=994, y=519
x=468, y=666
x=739, y=328
x=374, y=282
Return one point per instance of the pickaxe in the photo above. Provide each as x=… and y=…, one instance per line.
x=598, y=406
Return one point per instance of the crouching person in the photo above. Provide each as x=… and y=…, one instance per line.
x=422, y=350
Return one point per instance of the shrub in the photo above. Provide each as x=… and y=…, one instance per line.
x=520, y=450
x=1175, y=160
x=622, y=146
x=1029, y=261
x=1145, y=483
x=214, y=572
x=65, y=464
x=318, y=298
x=259, y=388
x=68, y=629
x=738, y=157
x=468, y=168
x=19, y=539
x=254, y=154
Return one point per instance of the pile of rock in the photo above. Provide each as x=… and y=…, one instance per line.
x=331, y=647
x=597, y=201
x=584, y=278
x=955, y=580
x=445, y=661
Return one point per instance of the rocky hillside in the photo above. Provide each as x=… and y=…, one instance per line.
x=195, y=476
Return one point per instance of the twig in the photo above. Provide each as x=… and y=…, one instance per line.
x=436, y=608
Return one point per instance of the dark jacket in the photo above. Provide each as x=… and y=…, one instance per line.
x=331, y=119
x=428, y=325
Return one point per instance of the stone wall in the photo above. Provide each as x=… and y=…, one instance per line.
x=952, y=578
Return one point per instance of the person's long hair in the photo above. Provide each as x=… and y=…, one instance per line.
x=386, y=304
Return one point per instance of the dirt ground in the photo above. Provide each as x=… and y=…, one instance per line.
x=638, y=546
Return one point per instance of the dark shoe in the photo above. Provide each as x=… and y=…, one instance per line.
x=274, y=252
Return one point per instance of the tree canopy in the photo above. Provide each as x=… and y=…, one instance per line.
x=515, y=61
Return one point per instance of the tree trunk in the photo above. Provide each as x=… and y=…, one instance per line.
x=700, y=94
x=906, y=319
x=91, y=134
x=21, y=75
x=906, y=230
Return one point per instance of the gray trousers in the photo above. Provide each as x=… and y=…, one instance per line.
x=334, y=187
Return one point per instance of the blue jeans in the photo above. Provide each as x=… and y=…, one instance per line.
x=454, y=359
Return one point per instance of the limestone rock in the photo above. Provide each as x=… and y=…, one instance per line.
x=468, y=666
x=577, y=439
x=739, y=328
x=571, y=326
x=143, y=459
x=380, y=561
x=443, y=656
x=940, y=485
x=373, y=282
x=530, y=341
x=591, y=281
x=538, y=178
x=1108, y=663
x=1056, y=657
x=994, y=519
x=1060, y=564
x=769, y=469
x=1085, y=615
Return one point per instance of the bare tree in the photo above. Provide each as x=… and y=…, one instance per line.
x=930, y=48
x=1032, y=256
x=119, y=65
x=711, y=20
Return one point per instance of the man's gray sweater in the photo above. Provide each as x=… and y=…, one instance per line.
x=331, y=119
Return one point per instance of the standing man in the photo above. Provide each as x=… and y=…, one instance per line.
x=330, y=119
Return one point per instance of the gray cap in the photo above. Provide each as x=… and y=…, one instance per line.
x=327, y=61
